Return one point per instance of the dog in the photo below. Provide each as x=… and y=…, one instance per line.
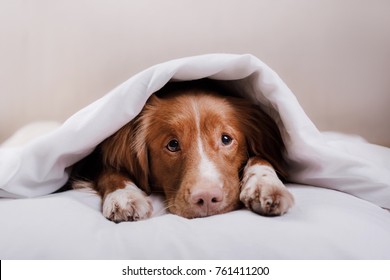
x=206, y=149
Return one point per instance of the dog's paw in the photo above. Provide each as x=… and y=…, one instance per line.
x=128, y=204
x=264, y=193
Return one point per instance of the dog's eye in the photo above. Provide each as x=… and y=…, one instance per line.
x=226, y=139
x=173, y=146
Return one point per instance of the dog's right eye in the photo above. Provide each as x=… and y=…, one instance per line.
x=173, y=146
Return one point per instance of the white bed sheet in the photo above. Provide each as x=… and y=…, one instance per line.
x=340, y=185
x=324, y=224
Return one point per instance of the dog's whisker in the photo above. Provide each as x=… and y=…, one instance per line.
x=164, y=209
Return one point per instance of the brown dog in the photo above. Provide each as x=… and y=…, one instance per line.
x=205, y=149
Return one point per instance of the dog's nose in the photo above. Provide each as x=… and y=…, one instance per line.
x=207, y=201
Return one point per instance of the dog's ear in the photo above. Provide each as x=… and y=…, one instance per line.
x=263, y=137
x=126, y=152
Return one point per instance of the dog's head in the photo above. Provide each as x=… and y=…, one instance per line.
x=192, y=143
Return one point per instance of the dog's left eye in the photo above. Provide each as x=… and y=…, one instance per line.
x=226, y=139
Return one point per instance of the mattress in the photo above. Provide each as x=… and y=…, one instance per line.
x=323, y=224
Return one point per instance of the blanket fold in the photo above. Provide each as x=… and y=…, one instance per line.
x=358, y=168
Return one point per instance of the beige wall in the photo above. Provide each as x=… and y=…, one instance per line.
x=58, y=56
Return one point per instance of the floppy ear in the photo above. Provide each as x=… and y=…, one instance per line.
x=126, y=152
x=263, y=137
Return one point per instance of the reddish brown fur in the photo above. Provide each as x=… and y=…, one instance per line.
x=138, y=153
x=176, y=173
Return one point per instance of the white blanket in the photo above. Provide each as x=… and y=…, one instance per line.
x=42, y=166
x=323, y=224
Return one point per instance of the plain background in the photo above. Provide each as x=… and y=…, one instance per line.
x=57, y=56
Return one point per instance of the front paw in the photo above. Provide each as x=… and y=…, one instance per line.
x=128, y=204
x=265, y=194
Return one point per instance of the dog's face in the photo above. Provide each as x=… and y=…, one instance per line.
x=196, y=148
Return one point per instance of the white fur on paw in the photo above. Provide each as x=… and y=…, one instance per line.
x=128, y=204
x=263, y=192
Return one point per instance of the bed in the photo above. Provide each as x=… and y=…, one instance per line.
x=341, y=184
